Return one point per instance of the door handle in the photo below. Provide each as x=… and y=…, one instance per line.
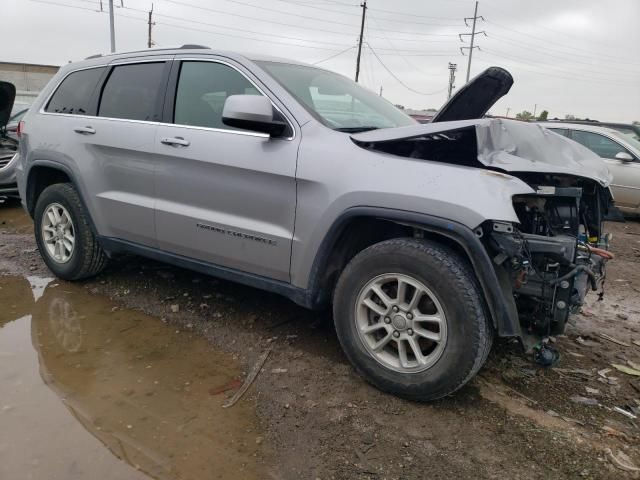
x=85, y=130
x=176, y=142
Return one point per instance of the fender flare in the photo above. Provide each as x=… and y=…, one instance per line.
x=30, y=204
x=503, y=314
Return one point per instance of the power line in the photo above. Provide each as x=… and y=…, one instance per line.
x=187, y=28
x=333, y=56
x=552, y=68
x=555, y=44
x=404, y=57
x=570, y=69
x=398, y=79
x=264, y=37
x=307, y=17
x=412, y=15
x=287, y=37
x=217, y=25
x=580, y=78
x=556, y=54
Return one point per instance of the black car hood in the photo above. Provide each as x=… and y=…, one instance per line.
x=475, y=98
x=7, y=96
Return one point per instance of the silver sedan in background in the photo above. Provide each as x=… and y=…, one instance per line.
x=621, y=153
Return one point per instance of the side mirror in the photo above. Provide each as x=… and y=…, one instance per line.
x=252, y=112
x=624, y=156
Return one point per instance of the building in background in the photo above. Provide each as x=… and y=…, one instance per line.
x=29, y=79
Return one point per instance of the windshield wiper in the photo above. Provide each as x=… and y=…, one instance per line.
x=355, y=129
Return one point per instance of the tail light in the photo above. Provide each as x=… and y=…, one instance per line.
x=20, y=129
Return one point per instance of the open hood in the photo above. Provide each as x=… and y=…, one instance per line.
x=475, y=98
x=7, y=97
x=505, y=145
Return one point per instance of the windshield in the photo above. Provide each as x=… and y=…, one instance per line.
x=336, y=101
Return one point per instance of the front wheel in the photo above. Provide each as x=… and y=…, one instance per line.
x=64, y=236
x=410, y=318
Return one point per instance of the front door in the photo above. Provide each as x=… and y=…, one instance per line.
x=224, y=196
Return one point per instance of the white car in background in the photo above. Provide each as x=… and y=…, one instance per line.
x=621, y=153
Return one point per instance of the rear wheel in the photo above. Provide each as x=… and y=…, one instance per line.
x=410, y=317
x=64, y=236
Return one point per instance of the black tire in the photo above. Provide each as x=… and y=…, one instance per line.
x=88, y=258
x=450, y=279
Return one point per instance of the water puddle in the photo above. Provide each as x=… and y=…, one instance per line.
x=87, y=392
x=14, y=219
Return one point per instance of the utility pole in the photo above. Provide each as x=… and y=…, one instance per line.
x=112, y=27
x=151, y=24
x=380, y=90
x=452, y=77
x=508, y=110
x=364, y=14
x=473, y=37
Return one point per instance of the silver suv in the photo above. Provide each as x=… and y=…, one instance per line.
x=426, y=240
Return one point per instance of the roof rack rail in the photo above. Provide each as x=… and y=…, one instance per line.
x=188, y=46
x=194, y=47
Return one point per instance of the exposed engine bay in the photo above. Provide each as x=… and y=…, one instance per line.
x=553, y=251
x=555, y=255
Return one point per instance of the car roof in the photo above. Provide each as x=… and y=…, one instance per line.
x=198, y=50
x=587, y=127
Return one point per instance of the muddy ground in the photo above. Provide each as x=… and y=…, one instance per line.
x=315, y=418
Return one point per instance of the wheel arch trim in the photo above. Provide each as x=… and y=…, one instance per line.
x=504, y=317
x=31, y=202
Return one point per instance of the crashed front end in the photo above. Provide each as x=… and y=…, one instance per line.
x=557, y=253
x=555, y=250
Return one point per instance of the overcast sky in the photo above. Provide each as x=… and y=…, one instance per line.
x=579, y=57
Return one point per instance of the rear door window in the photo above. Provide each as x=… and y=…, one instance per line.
x=132, y=91
x=202, y=90
x=75, y=93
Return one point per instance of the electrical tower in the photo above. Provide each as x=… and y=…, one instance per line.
x=364, y=14
x=473, y=37
x=452, y=77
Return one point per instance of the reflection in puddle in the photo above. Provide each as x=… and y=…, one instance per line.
x=87, y=392
x=14, y=218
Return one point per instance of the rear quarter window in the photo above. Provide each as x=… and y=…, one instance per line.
x=74, y=95
x=132, y=91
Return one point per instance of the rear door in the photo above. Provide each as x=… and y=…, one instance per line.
x=626, y=174
x=224, y=196
x=120, y=143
